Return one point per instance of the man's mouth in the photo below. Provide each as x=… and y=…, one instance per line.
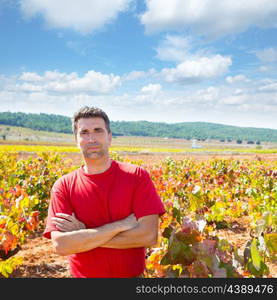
x=93, y=147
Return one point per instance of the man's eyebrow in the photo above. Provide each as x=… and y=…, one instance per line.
x=82, y=130
x=96, y=128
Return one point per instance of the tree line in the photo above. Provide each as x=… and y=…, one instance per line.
x=185, y=130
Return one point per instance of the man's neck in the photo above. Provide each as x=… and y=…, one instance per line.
x=97, y=166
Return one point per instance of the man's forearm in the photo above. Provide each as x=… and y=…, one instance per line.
x=133, y=238
x=71, y=242
x=66, y=243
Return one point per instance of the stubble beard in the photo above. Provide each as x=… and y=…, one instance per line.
x=93, y=154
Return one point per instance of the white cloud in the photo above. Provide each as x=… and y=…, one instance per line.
x=265, y=68
x=268, y=109
x=211, y=18
x=237, y=78
x=30, y=76
x=56, y=75
x=29, y=88
x=235, y=99
x=82, y=15
x=272, y=87
x=267, y=55
x=152, y=89
x=174, y=48
x=226, y=104
x=134, y=75
x=198, y=69
x=54, y=81
x=211, y=94
x=48, y=76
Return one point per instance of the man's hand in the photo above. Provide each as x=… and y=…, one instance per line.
x=66, y=223
x=144, y=234
x=128, y=223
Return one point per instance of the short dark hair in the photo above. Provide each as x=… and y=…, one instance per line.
x=90, y=112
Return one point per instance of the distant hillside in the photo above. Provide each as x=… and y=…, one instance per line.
x=187, y=130
x=41, y=121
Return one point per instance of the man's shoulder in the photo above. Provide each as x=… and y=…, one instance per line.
x=131, y=169
x=67, y=178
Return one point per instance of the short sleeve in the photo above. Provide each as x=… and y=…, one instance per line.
x=59, y=203
x=146, y=200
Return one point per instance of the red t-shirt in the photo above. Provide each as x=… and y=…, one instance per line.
x=104, y=198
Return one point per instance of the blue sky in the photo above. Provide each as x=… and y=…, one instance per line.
x=156, y=60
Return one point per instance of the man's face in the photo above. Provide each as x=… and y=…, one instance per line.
x=93, y=138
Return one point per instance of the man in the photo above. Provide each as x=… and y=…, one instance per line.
x=104, y=214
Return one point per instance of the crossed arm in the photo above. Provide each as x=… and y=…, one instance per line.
x=73, y=237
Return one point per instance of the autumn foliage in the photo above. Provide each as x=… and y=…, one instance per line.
x=199, y=197
x=24, y=197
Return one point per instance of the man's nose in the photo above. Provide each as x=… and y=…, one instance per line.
x=91, y=137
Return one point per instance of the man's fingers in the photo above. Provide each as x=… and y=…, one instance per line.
x=60, y=225
x=65, y=216
x=62, y=228
x=65, y=222
x=60, y=220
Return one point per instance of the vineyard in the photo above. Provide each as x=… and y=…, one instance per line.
x=200, y=198
x=134, y=149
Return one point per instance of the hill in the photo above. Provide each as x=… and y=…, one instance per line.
x=185, y=130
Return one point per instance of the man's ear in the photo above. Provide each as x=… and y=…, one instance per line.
x=76, y=141
x=110, y=137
